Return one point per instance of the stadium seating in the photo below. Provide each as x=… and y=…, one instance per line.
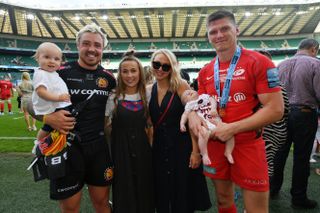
x=13, y=60
x=15, y=76
x=9, y=60
x=147, y=46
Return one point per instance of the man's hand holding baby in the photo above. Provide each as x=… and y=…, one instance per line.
x=223, y=131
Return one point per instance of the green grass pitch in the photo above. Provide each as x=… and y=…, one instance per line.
x=19, y=193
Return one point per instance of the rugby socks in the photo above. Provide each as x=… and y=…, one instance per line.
x=231, y=209
x=9, y=107
x=2, y=107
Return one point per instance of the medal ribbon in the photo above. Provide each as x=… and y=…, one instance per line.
x=227, y=85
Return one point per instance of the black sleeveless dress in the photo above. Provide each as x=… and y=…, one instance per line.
x=178, y=188
x=133, y=181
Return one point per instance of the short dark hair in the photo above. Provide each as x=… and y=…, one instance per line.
x=220, y=14
x=265, y=53
x=185, y=76
x=308, y=43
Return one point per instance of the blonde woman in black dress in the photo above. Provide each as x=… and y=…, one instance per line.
x=179, y=183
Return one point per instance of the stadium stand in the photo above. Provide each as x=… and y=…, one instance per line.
x=147, y=45
x=180, y=29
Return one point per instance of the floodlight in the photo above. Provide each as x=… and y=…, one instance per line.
x=2, y=12
x=30, y=16
x=247, y=14
x=105, y=17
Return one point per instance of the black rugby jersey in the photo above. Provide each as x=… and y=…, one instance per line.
x=81, y=83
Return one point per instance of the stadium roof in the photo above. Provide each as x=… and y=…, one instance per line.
x=111, y=4
x=178, y=19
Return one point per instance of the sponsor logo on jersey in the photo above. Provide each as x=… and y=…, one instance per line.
x=273, y=77
x=68, y=188
x=255, y=181
x=108, y=174
x=62, y=67
x=238, y=97
x=238, y=72
x=223, y=74
x=75, y=79
x=88, y=92
x=102, y=82
x=209, y=77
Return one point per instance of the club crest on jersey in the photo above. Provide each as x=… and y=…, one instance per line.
x=108, y=174
x=273, y=77
x=102, y=82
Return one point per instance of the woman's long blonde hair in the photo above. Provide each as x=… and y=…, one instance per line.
x=175, y=76
x=120, y=90
x=26, y=84
x=25, y=79
x=25, y=76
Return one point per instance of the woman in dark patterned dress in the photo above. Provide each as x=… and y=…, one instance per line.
x=132, y=189
x=275, y=134
x=180, y=186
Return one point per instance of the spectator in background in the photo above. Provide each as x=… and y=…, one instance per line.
x=300, y=75
x=19, y=103
x=149, y=78
x=185, y=76
x=194, y=84
x=152, y=46
x=317, y=140
x=275, y=134
x=6, y=93
x=316, y=144
x=131, y=47
x=25, y=89
x=67, y=47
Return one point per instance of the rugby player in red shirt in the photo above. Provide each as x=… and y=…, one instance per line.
x=6, y=92
x=241, y=80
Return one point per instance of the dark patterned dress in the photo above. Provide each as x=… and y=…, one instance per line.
x=178, y=188
x=133, y=180
x=275, y=134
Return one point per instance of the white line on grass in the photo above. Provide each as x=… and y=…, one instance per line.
x=17, y=138
x=18, y=118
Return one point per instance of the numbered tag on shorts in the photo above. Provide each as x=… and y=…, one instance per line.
x=56, y=165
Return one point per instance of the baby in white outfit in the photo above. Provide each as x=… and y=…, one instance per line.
x=206, y=107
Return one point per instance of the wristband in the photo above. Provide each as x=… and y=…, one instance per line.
x=44, y=119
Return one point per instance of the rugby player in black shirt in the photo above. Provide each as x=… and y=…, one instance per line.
x=88, y=160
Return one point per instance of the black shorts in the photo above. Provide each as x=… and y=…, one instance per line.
x=87, y=163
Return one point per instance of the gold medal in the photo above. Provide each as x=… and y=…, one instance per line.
x=222, y=112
